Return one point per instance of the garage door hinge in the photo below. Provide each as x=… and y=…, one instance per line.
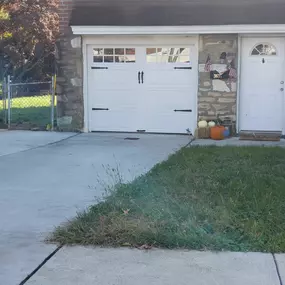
x=141, y=131
x=189, y=67
x=100, y=109
x=99, y=67
x=183, y=110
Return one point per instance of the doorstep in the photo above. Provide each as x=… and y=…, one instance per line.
x=235, y=141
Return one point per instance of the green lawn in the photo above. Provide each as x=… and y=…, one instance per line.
x=207, y=198
x=35, y=110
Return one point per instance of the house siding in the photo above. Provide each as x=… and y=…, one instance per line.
x=217, y=97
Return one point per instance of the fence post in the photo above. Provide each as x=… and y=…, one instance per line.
x=4, y=99
x=52, y=102
x=9, y=100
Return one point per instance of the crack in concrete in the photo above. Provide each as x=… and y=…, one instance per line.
x=40, y=266
x=277, y=269
x=41, y=146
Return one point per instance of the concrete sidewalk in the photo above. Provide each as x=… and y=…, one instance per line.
x=89, y=266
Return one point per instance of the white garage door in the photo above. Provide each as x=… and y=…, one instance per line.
x=142, y=88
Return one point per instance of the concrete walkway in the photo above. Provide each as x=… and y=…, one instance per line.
x=44, y=184
x=88, y=266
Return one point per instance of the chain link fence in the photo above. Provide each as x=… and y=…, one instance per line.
x=29, y=105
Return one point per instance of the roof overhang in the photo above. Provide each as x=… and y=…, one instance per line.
x=179, y=30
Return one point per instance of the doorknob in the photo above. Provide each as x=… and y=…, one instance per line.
x=281, y=89
x=282, y=82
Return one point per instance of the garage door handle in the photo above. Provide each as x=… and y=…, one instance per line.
x=100, y=109
x=142, y=76
x=139, y=77
x=183, y=67
x=183, y=110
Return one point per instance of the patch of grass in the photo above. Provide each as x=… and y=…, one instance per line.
x=210, y=198
x=34, y=110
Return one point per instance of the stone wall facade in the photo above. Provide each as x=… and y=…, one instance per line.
x=217, y=97
x=69, y=88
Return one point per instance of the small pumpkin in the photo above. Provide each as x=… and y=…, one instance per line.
x=211, y=124
x=202, y=124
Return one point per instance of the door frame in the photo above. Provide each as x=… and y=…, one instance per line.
x=135, y=40
x=241, y=38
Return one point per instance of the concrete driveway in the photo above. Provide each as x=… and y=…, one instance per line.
x=47, y=177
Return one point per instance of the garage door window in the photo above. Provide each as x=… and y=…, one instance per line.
x=168, y=55
x=114, y=55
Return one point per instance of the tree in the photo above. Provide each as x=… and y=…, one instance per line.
x=28, y=31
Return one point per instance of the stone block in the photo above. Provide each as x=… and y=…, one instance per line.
x=204, y=106
x=232, y=95
x=214, y=94
x=59, y=89
x=64, y=121
x=220, y=85
x=60, y=79
x=234, y=109
x=227, y=100
x=76, y=81
x=234, y=86
x=207, y=84
x=204, y=89
x=219, y=107
x=207, y=99
x=62, y=98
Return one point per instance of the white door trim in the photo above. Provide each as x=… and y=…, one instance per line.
x=138, y=41
x=178, y=30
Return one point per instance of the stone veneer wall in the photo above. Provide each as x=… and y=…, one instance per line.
x=217, y=97
x=70, y=110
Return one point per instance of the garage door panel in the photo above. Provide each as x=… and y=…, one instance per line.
x=165, y=79
x=114, y=79
x=113, y=120
x=170, y=111
x=120, y=99
x=172, y=123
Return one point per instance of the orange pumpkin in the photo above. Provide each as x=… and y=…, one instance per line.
x=217, y=133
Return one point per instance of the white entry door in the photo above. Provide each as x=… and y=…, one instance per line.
x=262, y=84
x=142, y=87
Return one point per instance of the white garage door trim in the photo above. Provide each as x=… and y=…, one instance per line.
x=139, y=41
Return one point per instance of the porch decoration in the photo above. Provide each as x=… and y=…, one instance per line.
x=202, y=124
x=208, y=64
x=211, y=124
x=217, y=133
x=202, y=133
